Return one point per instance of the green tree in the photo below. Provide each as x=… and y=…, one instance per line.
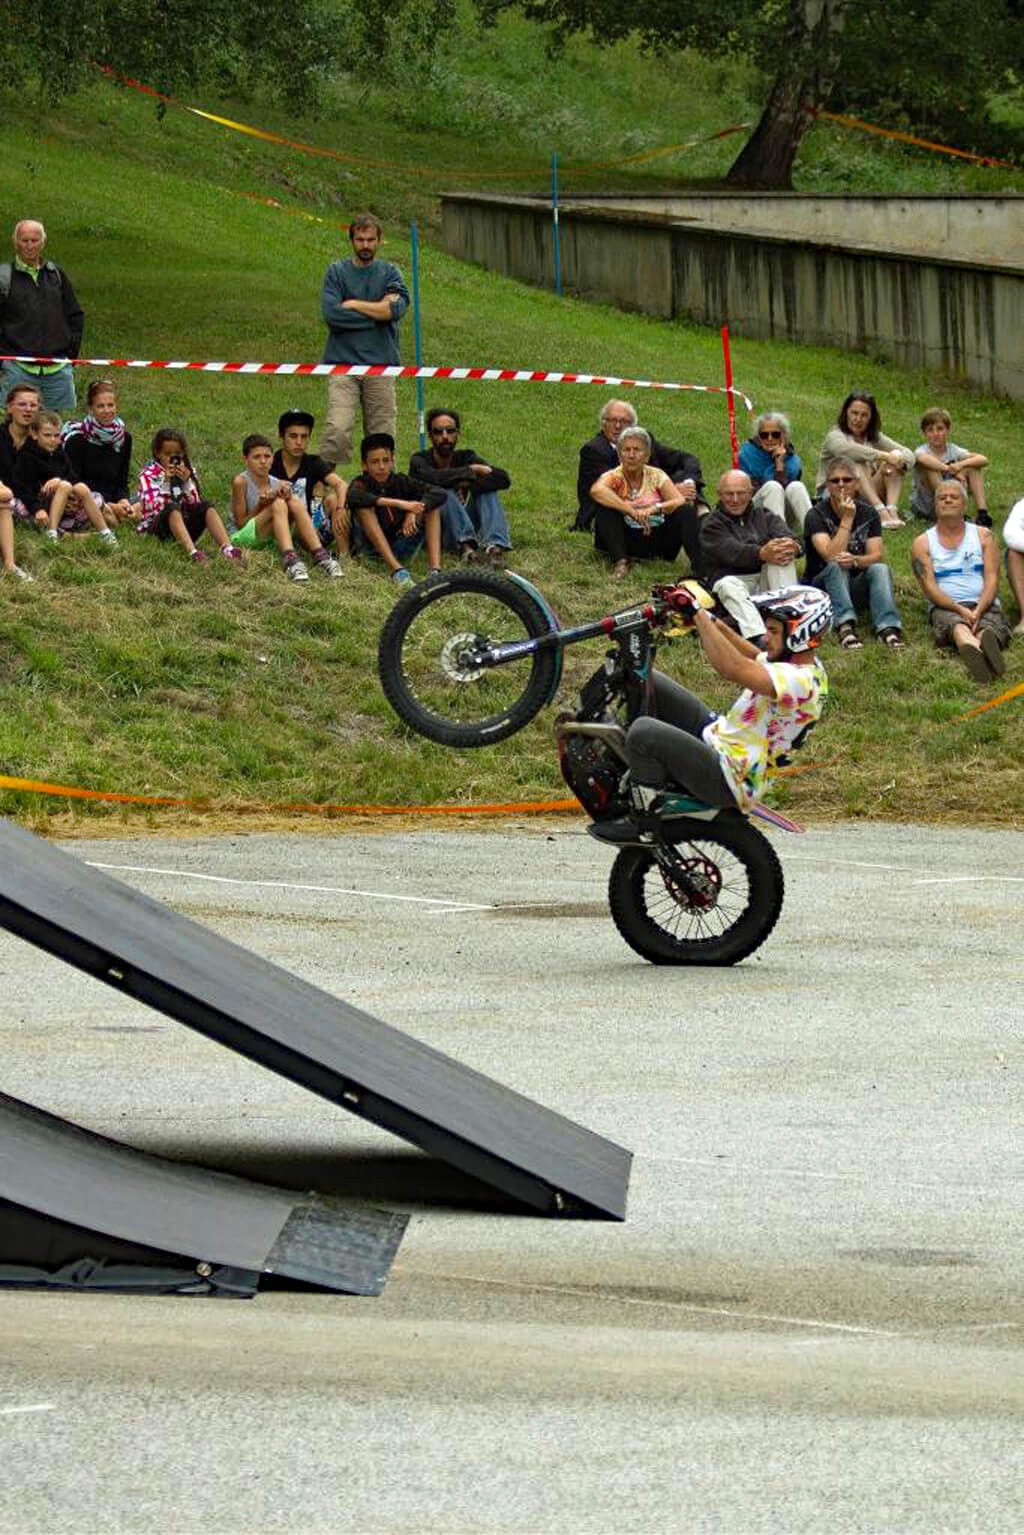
x=910, y=55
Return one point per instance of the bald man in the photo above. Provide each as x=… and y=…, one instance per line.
x=39, y=317
x=746, y=549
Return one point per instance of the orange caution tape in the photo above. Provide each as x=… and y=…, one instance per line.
x=70, y=791
x=993, y=703
x=911, y=138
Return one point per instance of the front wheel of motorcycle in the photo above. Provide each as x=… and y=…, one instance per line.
x=426, y=663
x=713, y=901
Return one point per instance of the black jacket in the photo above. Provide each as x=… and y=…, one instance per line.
x=599, y=455
x=99, y=466
x=33, y=467
x=423, y=467
x=363, y=493
x=729, y=545
x=41, y=318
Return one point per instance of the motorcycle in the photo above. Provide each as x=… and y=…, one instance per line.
x=470, y=657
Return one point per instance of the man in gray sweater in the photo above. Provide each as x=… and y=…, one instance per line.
x=363, y=299
x=745, y=549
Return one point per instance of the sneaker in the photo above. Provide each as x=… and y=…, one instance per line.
x=993, y=652
x=620, y=570
x=19, y=574
x=494, y=554
x=108, y=539
x=469, y=554
x=50, y=534
x=199, y=557
x=401, y=577
x=230, y=552
x=296, y=571
x=330, y=567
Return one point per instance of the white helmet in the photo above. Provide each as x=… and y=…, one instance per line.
x=804, y=612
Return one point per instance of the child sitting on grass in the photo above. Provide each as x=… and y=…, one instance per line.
x=264, y=509
x=312, y=479
x=172, y=506
x=100, y=451
x=395, y=513
x=7, y=535
x=45, y=482
x=938, y=459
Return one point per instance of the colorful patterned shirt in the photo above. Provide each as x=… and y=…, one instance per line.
x=154, y=494
x=759, y=729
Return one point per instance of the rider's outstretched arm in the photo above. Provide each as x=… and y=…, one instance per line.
x=729, y=660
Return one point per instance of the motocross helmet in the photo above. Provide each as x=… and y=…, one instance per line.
x=804, y=612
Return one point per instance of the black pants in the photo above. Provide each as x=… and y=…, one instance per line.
x=678, y=531
x=666, y=749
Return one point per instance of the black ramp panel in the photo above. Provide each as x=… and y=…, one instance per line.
x=85, y=1185
x=252, y=1006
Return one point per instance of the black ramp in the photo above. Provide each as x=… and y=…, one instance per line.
x=64, y=1189
x=245, y=1002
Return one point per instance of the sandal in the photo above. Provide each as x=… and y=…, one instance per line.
x=846, y=634
x=893, y=638
x=890, y=516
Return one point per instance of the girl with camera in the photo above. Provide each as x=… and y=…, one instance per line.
x=172, y=505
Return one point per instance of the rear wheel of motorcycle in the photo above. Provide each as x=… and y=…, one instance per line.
x=736, y=907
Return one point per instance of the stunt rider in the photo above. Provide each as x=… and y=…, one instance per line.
x=724, y=759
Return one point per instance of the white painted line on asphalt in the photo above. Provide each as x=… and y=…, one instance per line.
x=642, y=1300
x=8, y=1412
x=745, y=1168
x=974, y=879
x=281, y=884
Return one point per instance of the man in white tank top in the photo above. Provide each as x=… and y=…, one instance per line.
x=957, y=567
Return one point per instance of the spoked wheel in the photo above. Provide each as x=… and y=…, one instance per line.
x=430, y=667
x=716, y=903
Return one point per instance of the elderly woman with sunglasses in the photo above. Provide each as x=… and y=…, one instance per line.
x=844, y=558
x=776, y=470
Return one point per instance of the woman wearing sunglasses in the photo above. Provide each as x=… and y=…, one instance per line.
x=844, y=558
x=776, y=470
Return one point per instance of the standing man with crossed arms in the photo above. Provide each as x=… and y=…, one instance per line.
x=363, y=299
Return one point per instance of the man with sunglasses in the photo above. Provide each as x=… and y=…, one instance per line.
x=776, y=470
x=844, y=558
x=473, y=515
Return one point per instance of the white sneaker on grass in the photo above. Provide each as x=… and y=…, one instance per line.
x=296, y=571
x=19, y=574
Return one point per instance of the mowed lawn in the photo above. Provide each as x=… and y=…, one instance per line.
x=142, y=675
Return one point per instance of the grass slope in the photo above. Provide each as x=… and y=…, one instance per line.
x=137, y=673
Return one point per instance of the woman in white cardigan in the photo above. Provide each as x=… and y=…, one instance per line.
x=880, y=462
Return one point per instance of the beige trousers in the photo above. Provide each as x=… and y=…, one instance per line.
x=344, y=395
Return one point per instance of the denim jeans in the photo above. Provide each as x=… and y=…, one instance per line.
x=854, y=591
x=480, y=519
x=56, y=390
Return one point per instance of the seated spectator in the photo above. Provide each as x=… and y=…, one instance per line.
x=600, y=454
x=472, y=513
x=1013, y=538
x=45, y=482
x=172, y=503
x=957, y=567
x=7, y=536
x=844, y=558
x=265, y=509
x=312, y=479
x=100, y=451
x=639, y=510
x=939, y=459
x=746, y=549
x=881, y=462
x=23, y=400
x=776, y=470
x=394, y=513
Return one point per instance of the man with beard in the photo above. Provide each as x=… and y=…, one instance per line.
x=473, y=514
x=363, y=299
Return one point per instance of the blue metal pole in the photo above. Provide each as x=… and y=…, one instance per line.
x=417, y=335
x=554, y=223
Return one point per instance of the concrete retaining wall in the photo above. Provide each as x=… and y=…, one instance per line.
x=964, y=318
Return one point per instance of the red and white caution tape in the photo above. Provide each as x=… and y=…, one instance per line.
x=381, y=370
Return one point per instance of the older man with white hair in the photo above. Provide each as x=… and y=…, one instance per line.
x=746, y=549
x=39, y=317
x=957, y=568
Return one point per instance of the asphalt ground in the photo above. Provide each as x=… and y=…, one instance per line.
x=810, y=1321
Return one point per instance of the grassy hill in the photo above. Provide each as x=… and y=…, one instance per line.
x=140, y=674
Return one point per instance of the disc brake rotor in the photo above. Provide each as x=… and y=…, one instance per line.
x=694, y=882
x=457, y=660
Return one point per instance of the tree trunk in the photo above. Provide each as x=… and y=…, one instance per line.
x=811, y=60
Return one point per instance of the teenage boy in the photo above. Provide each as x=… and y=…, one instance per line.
x=473, y=512
x=395, y=513
x=43, y=480
x=938, y=459
x=265, y=509
x=312, y=479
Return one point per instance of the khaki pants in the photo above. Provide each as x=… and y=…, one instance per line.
x=734, y=592
x=344, y=395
